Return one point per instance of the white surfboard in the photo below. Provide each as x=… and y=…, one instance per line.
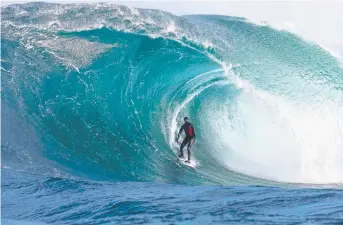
x=190, y=164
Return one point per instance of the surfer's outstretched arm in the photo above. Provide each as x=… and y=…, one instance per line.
x=193, y=134
x=193, y=131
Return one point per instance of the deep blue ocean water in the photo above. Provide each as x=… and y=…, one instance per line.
x=93, y=95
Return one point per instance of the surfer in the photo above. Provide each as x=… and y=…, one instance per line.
x=190, y=135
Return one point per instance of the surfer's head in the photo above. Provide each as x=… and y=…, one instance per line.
x=186, y=119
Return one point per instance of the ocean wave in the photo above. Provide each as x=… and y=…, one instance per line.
x=105, y=88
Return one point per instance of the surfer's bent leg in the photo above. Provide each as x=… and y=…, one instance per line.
x=189, y=148
x=184, y=142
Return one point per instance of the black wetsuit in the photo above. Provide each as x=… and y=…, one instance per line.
x=190, y=134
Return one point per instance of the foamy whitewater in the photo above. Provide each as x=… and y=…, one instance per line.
x=93, y=96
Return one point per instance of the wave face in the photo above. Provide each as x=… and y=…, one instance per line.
x=100, y=91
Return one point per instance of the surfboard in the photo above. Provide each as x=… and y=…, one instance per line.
x=190, y=164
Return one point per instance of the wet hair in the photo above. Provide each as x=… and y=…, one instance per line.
x=186, y=118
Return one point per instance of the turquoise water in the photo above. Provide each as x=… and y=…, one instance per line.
x=93, y=95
